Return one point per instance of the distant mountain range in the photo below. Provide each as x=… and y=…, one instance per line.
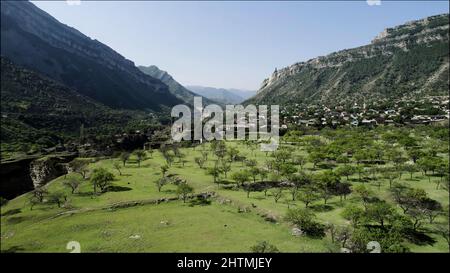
x=222, y=95
x=33, y=39
x=407, y=61
x=175, y=87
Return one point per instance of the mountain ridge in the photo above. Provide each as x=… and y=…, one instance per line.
x=66, y=55
x=402, y=58
x=222, y=95
x=175, y=87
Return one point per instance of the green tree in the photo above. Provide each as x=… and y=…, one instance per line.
x=305, y=220
x=354, y=214
x=117, y=166
x=184, y=190
x=124, y=157
x=307, y=195
x=140, y=155
x=264, y=247
x=72, y=184
x=241, y=177
x=101, y=178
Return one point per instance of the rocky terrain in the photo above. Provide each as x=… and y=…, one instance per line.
x=68, y=56
x=407, y=60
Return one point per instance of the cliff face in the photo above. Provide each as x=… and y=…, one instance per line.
x=68, y=56
x=24, y=175
x=406, y=55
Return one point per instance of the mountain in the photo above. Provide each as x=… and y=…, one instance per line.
x=222, y=95
x=38, y=110
x=174, y=87
x=32, y=38
x=409, y=60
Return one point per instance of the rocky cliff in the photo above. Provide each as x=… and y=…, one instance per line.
x=24, y=175
x=410, y=58
x=68, y=56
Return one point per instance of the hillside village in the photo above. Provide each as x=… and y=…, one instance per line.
x=427, y=110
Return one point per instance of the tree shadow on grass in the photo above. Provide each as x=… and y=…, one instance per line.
x=420, y=238
x=11, y=212
x=260, y=197
x=168, y=191
x=16, y=219
x=321, y=208
x=13, y=249
x=85, y=193
x=118, y=189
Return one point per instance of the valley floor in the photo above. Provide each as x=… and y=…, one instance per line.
x=230, y=223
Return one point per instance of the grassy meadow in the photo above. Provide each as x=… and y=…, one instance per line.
x=230, y=222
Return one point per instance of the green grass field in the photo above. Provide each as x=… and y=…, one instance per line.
x=176, y=226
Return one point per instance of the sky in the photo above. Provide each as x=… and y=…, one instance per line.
x=233, y=44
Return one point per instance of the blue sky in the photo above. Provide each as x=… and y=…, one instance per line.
x=233, y=44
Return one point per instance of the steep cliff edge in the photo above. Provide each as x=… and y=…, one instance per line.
x=24, y=175
x=400, y=61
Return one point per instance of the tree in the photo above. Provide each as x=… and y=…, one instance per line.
x=326, y=183
x=233, y=153
x=150, y=151
x=56, y=198
x=263, y=174
x=308, y=195
x=411, y=169
x=164, y=169
x=431, y=208
x=282, y=155
x=299, y=160
x=226, y=167
x=414, y=154
x=101, y=178
x=305, y=220
x=241, y=177
x=390, y=175
x=72, y=184
x=184, y=190
x=215, y=172
x=39, y=193
x=200, y=162
x=124, y=157
x=264, y=247
x=277, y=194
x=254, y=172
x=364, y=194
x=361, y=171
x=380, y=212
x=33, y=200
x=346, y=171
x=161, y=182
x=80, y=167
x=316, y=158
x=117, y=166
x=298, y=180
x=343, y=189
x=140, y=155
x=354, y=214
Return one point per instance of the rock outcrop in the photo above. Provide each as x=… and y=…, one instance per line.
x=24, y=175
x=388, y=58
